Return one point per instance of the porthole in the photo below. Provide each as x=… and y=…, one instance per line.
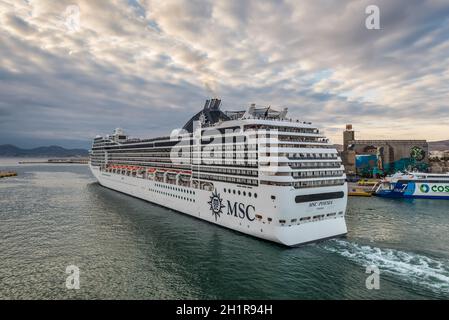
x=255, y=195
x=249, y=194
x=238, y=192
x=244, y=193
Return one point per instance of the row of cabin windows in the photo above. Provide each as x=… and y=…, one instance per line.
x=195, y=162
x=174, y=188
x=318, y=183
x=239, y=192
x=139, y=150
x=221, y=155
x=228, y=171
x=295, y=146
x=226, y=179
x=299, y=156
x=302, y=139
x=305, y=184
x=281, y=129
x=311, y=218
x=310, y=165
x=205, y=155
x=216, y=144
x=229, y=147
x=164, y=166
x=221, y=162
x=212, y=151
x=309, y=155
x=139, y=155
x=337, y=173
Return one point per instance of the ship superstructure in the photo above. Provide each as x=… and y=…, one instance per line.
x=255, y=171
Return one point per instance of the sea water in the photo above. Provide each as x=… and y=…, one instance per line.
x=56, y=216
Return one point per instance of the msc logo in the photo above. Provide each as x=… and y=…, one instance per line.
x=424, y=188
x=216, y=204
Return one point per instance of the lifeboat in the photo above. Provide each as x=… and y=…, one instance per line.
x=171, y=175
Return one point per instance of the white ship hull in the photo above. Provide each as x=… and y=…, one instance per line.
x=271, y=216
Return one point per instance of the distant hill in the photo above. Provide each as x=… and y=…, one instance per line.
x=439, y=145
x=8, y=150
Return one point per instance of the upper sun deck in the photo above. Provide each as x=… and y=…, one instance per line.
x=263, y=119
x=211, y=117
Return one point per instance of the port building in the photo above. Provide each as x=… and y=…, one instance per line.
x=374, y=158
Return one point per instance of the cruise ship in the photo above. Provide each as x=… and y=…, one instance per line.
x=415, y=185
x=255, y=171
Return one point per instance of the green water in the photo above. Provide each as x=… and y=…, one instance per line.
x=55, y=216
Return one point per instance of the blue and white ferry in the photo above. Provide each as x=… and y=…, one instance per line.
x=414, y=185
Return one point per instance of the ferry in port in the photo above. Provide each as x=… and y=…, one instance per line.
x=414, y=185
x=255, y=171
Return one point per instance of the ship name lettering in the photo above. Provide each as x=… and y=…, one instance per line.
x=321, y=203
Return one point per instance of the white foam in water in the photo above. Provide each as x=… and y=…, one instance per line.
x=411, y=267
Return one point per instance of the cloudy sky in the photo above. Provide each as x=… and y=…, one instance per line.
x=72, y=69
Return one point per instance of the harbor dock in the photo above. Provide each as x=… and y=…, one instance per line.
x=362, y=188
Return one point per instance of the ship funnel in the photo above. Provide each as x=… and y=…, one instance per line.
x=215, y=104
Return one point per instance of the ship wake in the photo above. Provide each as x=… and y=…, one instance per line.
x=410, y=267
